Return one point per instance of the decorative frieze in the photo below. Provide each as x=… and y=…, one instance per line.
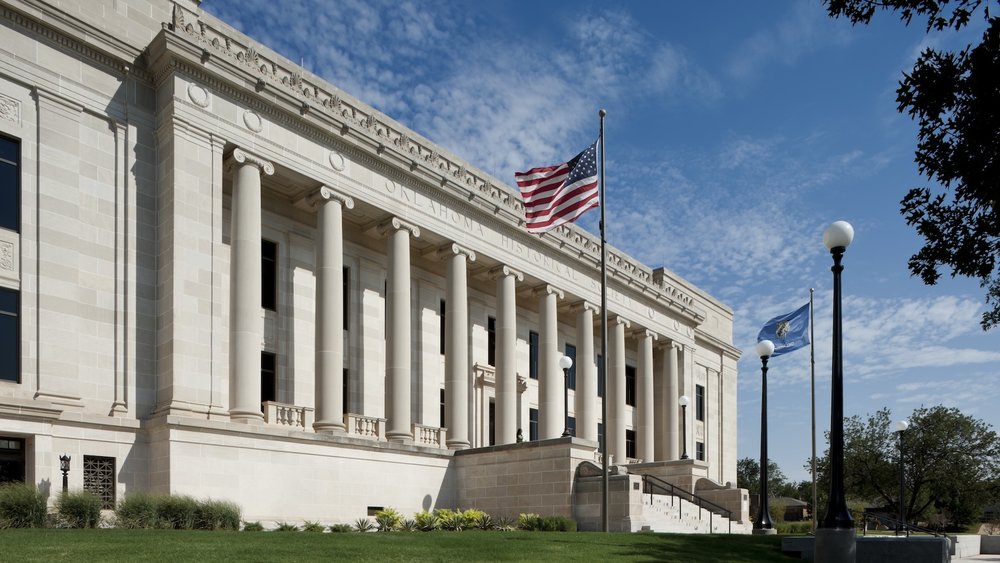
x=10, y=109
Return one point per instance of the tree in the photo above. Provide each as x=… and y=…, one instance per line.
x=954, y=96
x=748, y=477
x=951, y=461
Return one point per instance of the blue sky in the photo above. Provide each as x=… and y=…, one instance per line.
x=736, y=132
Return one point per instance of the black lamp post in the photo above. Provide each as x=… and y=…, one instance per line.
x=683, y=401
x=763, y=523
x=565, y=363
x=835, y=535
x=901, y=426
x=64, y=467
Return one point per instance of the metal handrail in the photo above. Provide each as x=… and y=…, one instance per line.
x=650, y=482
x=882, y=518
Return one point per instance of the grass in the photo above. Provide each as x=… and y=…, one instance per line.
x=185, y=546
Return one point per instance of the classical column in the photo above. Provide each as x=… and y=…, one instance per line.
x=616, y=389
x=456, y=338
x=586, y=372
x=397, y=346
x=330, y=309
x=246, y=323
x=644, y=398
x=506, y=358
x=673, y=393
x=551, y=418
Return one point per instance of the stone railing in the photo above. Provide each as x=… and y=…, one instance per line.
x=368, y=427
x=598, y=460
x=429, y=436
x=280, y=414
x=633, y=460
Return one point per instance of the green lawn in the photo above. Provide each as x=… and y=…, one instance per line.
x=187, y=546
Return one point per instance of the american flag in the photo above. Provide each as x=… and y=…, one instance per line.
x=559, y=194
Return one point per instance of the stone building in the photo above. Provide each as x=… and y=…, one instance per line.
x=222, y=276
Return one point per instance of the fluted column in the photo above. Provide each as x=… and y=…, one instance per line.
x=586, y=372
x=397, y=346
x=645, y=435
x=673, y=408
x=506, y=358
x=330, y=309
x=247, y=327
x=551, y=416
x=616, y=389
x=456, y=338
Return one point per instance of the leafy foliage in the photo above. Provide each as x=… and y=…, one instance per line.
x=341, y=528
x=388, y=519
x=253, y=527
x=310, y=526
x=286, y=527
x=363, y=525
x=426, y=521
x=21, y=506
x=954, y=97
x=79, y=509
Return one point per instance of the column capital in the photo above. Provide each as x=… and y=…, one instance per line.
x=240, y=156
x=642, y=332
x=504, y=271
x=453, y=249
x=392, y=224
x=547, y=289
x=584, y=305
x=618, y=319
x=325, y=194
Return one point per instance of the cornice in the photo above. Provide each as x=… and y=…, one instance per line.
x=310, y=105
x=710, y=341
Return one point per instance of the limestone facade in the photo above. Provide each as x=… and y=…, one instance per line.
x=235, y=280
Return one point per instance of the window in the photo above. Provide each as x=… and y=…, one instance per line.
x=10, y=338
x=600, y=376
x=268, y=381
x=347, y=390
x=441, y=409
x=571, y=380
x=10, y=185
x=491, y=341
x=99, y=479
x=532, y=424
x=699, y=402
x=630, y=386
x=699, y=449
x=441, y=325
x=600, y=436
x=347, y=298
x=493, y=422
x=11, y=460
x=533, y=355
x=630, y=444
x=571, y=425
x=269, y=275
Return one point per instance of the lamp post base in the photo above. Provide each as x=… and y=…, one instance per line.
x=835, y=545
x=764, y=531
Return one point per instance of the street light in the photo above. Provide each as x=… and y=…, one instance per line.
x=683, y=401
x=835, y=534
x=565, y=363
x=901, y=426
x=763, y=524
x=64, y=467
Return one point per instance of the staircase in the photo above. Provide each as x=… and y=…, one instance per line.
x=668, y=509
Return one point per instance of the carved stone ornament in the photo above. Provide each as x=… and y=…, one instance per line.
x=243, y=157
x=198, y=95
x=7, y=256
x=253, y=121
x=10, y=110
x=337, y=161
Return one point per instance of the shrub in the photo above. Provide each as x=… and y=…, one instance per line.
x=341, y=528
x=777, y=508
x=78, y=509
x=21, y=506
x=286, y=527
x=388, y=519
x=363, y=525
x=558, y=524
x=309, y=526
x=529, y=522
x=217, y=515
x=253, y=527
x=138, y=510
x=472, y=517
x=409, y=525
x=486, y=522
x=505, y=523
x=426, y=521
x=793, y=527
x=452, y=521
x=178, y=512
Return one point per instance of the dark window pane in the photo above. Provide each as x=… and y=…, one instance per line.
x=347, y=298
x=347, y=390
x=571, y=424
x=533, y=355
x=600, y=376
x=630, y=444
x=491, y=341
x=268, y=380
x=700, y=451
x=493, y=423
x=9, y=149
x=441, y=328
x=10, y=352
x=269, y=275
x=600, y=436
x=630, y=386
x=10, y=192
x=571, y=380
x=532, y=424
x=699, y=402
x=441, y=413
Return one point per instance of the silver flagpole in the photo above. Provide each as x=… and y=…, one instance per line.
x=812, y=393
x=604, y=342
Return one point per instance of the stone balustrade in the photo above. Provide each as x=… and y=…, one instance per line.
x=368, y=427
x=281, y=414
x=430, y=436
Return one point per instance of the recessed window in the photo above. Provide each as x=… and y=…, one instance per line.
x=630, y=444
x=630, y=386
x=10, y=338
x=601, y=384
x=10, y=184
x=532, y=424
x=533, y=355
x=491, y=341
x=269, y=275
x=441, y=325
x=699, y=402
x=347, y=390
x=99, y=479
x=441, y=409
x=571, y=425
x=268, y=379
x=11, y=460
x=699, y=451
x=571, y=377
x=347, y=298
x=600, y=436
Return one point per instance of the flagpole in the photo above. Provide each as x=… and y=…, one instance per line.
x=812, y=393
x=604, y=341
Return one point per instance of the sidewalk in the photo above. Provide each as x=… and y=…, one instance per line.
x=976, y=558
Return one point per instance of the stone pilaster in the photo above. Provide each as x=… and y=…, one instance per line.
x=506, y=359
x=551, y=416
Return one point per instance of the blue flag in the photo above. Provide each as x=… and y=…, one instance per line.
x=788, y=332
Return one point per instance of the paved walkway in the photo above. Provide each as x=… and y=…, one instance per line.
x=976, y=558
